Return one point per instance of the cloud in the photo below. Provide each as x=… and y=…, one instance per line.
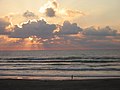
x=29, y=14
x=55, y=3
x=39, y=35
x=50, y=8
x=69, y=28
x=43, y=30
x=103, y=38
x=107, y=31
x=4, y=23
x=5, y=41
x=100, y=42
x=50, y=12
x=39, y=28
x=73, y=13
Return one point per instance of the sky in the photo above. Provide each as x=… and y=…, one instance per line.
x=59, y=24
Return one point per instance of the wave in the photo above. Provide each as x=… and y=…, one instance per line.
x=65, y=69
x=102, y=59
x=60, y=58
x=58, y=64
x=60, y=61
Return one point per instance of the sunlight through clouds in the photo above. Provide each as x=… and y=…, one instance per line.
x=53, y=26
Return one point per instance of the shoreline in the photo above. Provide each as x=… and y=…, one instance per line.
x=83, y=84
x=54, y=77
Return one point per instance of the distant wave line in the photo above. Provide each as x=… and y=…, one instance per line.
x=61, y=58
x=59, y=69
x=58, y=64
x=56, y=61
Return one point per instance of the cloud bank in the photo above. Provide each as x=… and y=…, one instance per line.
x=40, y=34
x=107, y=31
x=69, y=35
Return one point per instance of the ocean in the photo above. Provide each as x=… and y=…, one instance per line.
x=60, y=65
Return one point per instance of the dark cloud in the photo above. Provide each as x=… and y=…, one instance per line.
x=29, y=14
x=3, y=25
x=50, y=12
x=107, y=31
x=69, y=28
x=40, y=29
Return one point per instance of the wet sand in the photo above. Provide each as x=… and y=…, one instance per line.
x=93, y=84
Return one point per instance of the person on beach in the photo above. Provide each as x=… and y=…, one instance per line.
x=72, y=77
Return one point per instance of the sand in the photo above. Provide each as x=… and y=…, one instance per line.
x=97, y=84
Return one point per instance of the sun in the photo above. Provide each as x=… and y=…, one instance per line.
x=33, y=38
x=30, y=38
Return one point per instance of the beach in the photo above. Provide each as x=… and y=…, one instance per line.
x=90, y=84
x=60, y=70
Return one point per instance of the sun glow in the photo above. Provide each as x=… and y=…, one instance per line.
x=9, y=28
x=33, y=38
x=50, y=4
x=57, y=29
x=63, y=11
x=43, y=8
x=30, y=38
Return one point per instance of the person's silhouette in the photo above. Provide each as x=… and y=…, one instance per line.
x=72, y=77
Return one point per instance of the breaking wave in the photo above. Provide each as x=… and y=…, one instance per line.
x=62, y=59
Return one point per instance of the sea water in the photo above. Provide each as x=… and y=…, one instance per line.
x=68, y=64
